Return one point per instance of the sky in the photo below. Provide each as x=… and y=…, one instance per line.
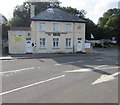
x=94, y=8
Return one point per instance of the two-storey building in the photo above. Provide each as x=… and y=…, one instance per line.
x=52, y=31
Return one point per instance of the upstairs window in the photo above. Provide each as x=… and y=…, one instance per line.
x=68, y=28
x=42, y=27
x=55, y=27
x=42, y=42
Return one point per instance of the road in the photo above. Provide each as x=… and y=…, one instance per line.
x=70, y=79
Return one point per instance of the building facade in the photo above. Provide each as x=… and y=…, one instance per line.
x=51, y=31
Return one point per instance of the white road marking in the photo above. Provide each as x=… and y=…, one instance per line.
x=103, y=67
x=34, y=84
x=14, y=71
x=109, y=68
x=59, y=64
x=105, y=78
x=99, y=60
x=79, y=70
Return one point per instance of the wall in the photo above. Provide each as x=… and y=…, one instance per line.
x=74, y=35
x=17, y=46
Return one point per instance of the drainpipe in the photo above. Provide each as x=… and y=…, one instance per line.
x=73, y=37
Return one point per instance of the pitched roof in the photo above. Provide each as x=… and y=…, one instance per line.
x=55, y=14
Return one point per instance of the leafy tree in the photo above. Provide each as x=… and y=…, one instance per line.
x=74, y=11
x=4, y=32
x=110, y=22
x=21, y=15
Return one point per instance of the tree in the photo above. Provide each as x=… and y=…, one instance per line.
x=110, y=22
x=4, y=32
x=74, y=11
x=21, y=15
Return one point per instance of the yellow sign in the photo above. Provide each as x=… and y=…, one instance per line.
x=17, y=39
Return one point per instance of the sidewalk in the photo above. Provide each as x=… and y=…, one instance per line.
x=32, y=56
x=108, y=52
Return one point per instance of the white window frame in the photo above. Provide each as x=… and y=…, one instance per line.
x=41, y=27
x=68, y=43
x=56, y=40
x=56, y=27
x=42, y=42
x=68, y=27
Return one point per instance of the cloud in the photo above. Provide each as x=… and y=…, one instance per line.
x=7, y=7
x=94, y=8
x=101, y=7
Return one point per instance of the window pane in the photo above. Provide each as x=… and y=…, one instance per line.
x=55, y=27
x=68, y=27
x=68, y=42
x=42, y=42
x=55, y=42
x=42, y=26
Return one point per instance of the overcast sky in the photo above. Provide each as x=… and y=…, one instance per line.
x=94, y=8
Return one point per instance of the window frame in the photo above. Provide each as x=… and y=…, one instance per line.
x=43, y=41
x=68, y=42
x=56, y=27
x=68, y=27
x=58, y=46
x=42, y=27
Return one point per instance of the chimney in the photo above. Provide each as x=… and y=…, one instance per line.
x=32, y=10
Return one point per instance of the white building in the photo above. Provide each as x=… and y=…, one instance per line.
x=51, y=31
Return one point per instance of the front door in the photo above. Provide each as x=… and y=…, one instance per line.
x=29, y=45
x=79, y=44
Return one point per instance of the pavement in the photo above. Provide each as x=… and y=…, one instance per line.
x=96, y=51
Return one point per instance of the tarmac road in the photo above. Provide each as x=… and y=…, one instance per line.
x=68, y=79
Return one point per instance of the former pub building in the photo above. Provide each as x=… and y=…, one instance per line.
x=51, y=31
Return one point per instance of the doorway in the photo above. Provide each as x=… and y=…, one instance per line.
x=29, y=45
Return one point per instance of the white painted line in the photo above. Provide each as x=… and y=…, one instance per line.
x=58, y=64
x=116, y=74
x=101, y=66
x=67, y=63
x=105, y=78
x=79, y=61
x=34, y=84
x=79, y=70
x=100, y=60
x=38, y=67
x=13, y=71
x=109, y=68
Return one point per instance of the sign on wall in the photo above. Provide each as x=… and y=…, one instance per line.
x=87, y=45
x=17, y=38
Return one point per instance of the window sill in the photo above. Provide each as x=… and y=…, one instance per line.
x=69, y=31
x=68, y=47
x=56, y=47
